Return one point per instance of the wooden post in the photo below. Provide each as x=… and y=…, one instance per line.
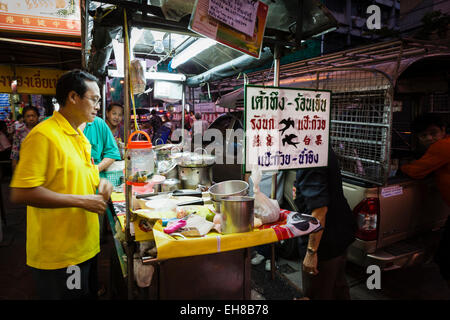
x=128, y=188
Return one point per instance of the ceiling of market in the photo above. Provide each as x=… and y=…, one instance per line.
x=169, y=19
x=22, y=51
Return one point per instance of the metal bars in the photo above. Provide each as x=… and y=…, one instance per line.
x=360, y=121
x=361, y=114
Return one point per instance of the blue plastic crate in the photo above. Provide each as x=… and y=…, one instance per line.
x=115, y=177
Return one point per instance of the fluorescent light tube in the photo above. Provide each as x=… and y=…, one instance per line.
x=165, y=76
x=194, y=49
x=152, y=75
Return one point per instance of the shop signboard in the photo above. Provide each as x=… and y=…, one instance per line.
x=286, y=128
x=61, y=17
x=29, y=80
x=237, y=24
x=205, y=107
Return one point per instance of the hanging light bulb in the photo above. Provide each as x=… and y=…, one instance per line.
x=158, y=47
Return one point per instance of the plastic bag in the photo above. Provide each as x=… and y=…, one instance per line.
x=143, y=274
x=266, y=209
x=137, y=72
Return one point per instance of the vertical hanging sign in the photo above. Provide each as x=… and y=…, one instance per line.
x=286, y=128
x=238, y=24
x=238, y=14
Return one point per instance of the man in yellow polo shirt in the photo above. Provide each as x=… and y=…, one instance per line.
x=57, y=180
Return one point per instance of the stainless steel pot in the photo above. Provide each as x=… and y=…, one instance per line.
x=237, y=214
x=226, y=189
x=168, y=169
x=195, y=169
x=170, y=185
x=193, y=176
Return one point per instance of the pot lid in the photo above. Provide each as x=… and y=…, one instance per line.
x=165, y=166
x=192, y=158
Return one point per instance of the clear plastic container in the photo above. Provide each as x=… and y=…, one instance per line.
x=140, y=159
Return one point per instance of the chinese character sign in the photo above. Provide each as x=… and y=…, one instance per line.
x=286, y=128
x=41, y=16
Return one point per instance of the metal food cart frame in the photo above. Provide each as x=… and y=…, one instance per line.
x=306, y=29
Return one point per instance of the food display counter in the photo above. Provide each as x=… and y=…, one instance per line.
x=213, y=266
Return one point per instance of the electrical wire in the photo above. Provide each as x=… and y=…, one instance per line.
x=46, y=63
x=129, y=68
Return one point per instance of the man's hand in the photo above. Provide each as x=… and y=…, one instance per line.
x=310, y=261
x=310, y=264
x=105, y=188
x=94, y=203
x=41, y=197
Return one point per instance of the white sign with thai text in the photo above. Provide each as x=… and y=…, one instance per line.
x=286, y=128
x=238, y=14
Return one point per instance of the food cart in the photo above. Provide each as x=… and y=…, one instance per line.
x=213, y=264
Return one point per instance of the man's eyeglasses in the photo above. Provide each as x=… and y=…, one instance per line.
x=95, y=101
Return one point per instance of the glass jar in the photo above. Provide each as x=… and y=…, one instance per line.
x=140, y=160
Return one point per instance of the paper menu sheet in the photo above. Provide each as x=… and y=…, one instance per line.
x=238, y=14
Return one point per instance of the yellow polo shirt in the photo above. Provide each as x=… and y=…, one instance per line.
x=55, y=156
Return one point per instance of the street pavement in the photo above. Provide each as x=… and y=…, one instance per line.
x=420, y=282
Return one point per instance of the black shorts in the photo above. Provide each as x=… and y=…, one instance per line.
x=71, y=283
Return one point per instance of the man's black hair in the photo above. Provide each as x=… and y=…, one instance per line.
x=74, y=80
x=153, y=112
x=426, y=120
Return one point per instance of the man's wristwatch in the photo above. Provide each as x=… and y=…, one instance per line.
x=311, y=251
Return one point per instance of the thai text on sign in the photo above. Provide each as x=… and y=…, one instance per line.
x=286, y=128
x=203, y=23
x=29, y=80
x=238, y=14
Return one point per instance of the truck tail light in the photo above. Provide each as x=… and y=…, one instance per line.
x=367, y=213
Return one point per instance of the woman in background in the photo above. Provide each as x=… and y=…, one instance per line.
x=30, y=119
x=114, y=117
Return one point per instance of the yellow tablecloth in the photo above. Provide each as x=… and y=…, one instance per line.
x=175, y=247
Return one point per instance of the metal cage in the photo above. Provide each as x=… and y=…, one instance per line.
x=361, y=117
x=362, y=81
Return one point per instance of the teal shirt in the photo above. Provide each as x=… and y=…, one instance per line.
x=102, y=140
